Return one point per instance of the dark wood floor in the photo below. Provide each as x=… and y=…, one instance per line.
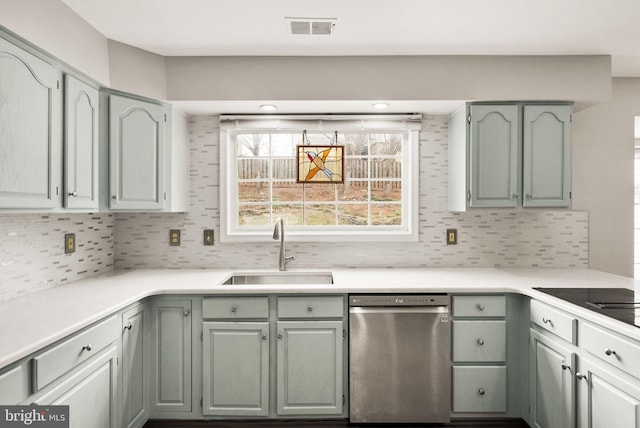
x=341, y=423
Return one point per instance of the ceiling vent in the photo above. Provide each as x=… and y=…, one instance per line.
x=312, y=26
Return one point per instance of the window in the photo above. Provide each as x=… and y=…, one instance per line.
x=372, y=195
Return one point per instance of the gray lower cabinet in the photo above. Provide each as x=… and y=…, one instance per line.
x=30, y=130
x=235, y=368
x=309, y=367
x=171, y=347
x=90, y=393
x=135, y=367
x=552, y=393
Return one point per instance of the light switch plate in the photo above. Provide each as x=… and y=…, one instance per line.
x=452, y=236
x=69, y=243
x=208, y=237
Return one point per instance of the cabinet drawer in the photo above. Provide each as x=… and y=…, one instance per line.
x=480, y=389
x=554, y=321
x=479, y=306
x=58, y=360
x=623, y=353
x=311, y=307
x=235, y=307
x=12, y=389
x=479, y=341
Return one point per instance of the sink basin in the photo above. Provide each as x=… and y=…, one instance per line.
x=280, y=278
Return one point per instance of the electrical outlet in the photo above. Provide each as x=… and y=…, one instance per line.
x=208, y=237
x=69, y=243
x=452, y=237
x=174, y=237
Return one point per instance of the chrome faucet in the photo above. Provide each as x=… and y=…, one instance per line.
x=278, y=233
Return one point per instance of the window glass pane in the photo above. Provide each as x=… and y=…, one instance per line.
x=253, y=168
x=353, y=191
x=285, y=144
x=353, y=215
x=354, y=144
x=319, y=192
x=253, y=145
x=290, y=213
x=257, y=191
x=386, y=191
x=385, y=168
x=320, y=215
x=253, y=215
x=320, y=139
x=386, y=214
x=386, y=144
x=356, y=168
x=287, y=192
x=284, y=169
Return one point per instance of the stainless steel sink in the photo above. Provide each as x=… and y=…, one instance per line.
x=280, y=278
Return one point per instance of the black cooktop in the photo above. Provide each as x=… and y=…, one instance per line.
x=619, y=303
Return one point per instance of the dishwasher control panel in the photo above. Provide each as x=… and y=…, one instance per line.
x=400, y=300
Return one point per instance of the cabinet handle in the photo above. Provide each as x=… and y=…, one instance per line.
x=529, y=196
x=480, y=307
x=309, y=308
x=128, y=326
x=580, y=376
x=280, y=336
x=566, y=367
x=186, y=313
x=481, y=391
x=480, y=342
x=514, y=196
x=547, y=321
x=264, y=337
x=234, y=308
x=74, y=194
x=87, y=347
x=610, y=352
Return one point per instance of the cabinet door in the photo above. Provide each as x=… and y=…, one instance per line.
x=235, y=358
x=81, y=145
x=606, y=399
x=136, y=154
x=30, y=130
x=171, y=355
x=309, y=367
x=547, y=156
x=552, y=387
x=494, y=156
x=135, y=367
x=90, y=393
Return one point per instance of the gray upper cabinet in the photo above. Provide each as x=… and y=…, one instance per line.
x=30, y=130
x=510, y=155
x=136, y=154
x=547, y=156
x=81, y=145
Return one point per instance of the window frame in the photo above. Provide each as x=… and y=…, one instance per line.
x=231, y=126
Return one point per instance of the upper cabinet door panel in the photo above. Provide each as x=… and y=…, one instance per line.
x=30, y=130
x=547, y=156
x=136, y=135
x=81, y=145
x=494, y=155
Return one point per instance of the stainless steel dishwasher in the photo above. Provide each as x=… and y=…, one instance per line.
x=399, y=358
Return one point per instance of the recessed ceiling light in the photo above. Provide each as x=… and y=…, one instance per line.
x=380, y=106
x=268, y=107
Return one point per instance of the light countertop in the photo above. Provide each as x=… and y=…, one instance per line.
x=31, y=322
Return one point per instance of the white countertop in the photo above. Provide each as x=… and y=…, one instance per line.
x=32, y=322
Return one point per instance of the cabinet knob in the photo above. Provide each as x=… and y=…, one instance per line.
x=529, y=196
x=480, y=306
x=114, y=196
x=566, y=367
x=480, y=342
x=280, y=336
x=309, y=308
x=514, y=196
x=234, y=308
x=580, y=376
x=610, y=352
x=87, y=347
x=264, y=337
x=128, y=326
x=186, y=313
x=74, y=194
x=481, y=391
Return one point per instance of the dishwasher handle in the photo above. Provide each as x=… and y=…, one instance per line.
x=399, y=310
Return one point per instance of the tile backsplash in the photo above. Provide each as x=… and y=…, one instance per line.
x=32, y=250
x=486, y=238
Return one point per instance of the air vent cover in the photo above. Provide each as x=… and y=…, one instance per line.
x=313, y=26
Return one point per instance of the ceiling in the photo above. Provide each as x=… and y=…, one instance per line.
x=375, y=27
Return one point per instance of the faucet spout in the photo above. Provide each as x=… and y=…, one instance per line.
x=278, y=234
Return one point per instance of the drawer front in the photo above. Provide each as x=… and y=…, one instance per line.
x=622, y=353
x=480, y=389
x=479, y=306
x=235, y=307
x=554, y=321
x=12, y=389
x=479, y=341
x=311, y=307
x=63, y=357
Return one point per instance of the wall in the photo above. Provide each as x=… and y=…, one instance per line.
x=32, y=250
x=137, y=71
x=509, y=238
x=603, y=181
x=54, y=27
